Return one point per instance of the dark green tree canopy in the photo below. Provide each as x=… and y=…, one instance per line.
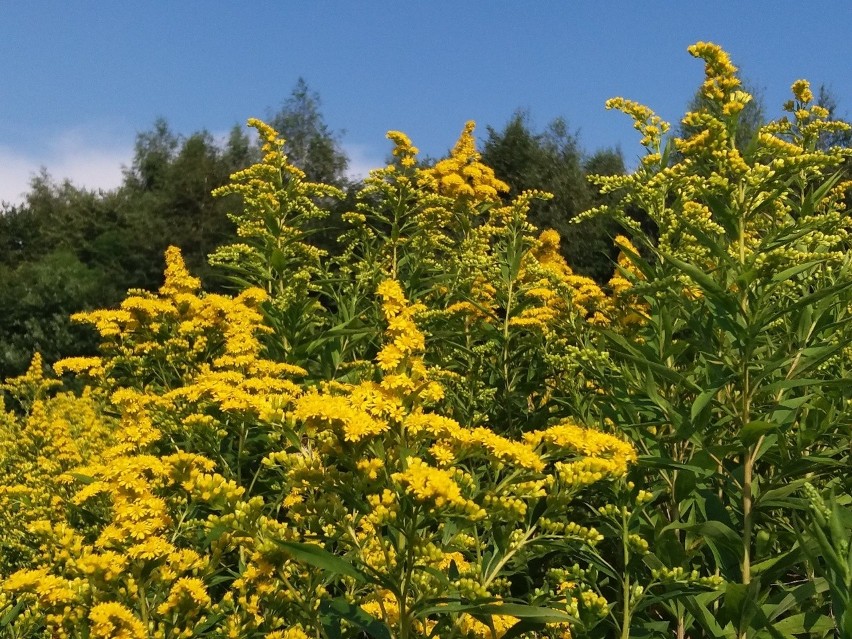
x=551, y=160
x=310, y=143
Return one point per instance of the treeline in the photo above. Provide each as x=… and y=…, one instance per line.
x=66, y=249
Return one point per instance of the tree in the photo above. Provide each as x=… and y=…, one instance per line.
x=166, y=199
x=551, y=161
x=67, y=249
x=38, y=298
x=828, y=100
x=154, y=151
x=310, y=144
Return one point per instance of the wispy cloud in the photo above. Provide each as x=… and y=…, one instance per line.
x=91, y=161
x=87, y=160
x=362, y=159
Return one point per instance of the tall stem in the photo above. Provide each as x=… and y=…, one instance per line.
x=747, y=516
x=748, y=472
x=745, y=418
x=625, y=580
x=508, y=385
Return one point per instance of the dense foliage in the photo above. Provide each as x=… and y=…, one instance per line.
x=65, y=250
x=440, y=428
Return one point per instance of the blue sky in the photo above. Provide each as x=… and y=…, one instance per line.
x=79, y=79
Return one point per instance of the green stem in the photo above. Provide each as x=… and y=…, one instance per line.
x=143, y=602
x=625, y=581
x=509, y=301
x=494, y=572
x=747, y=515
x=240, y=445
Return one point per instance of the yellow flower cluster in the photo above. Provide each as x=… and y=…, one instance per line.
x=437, y=486
x=584, y=295
x=463, y=175
x=649, y=124
x=37, y=448
x=112, y=620
x=719, y=183
x=720, y=74
x=188, y=596
x=626, y=309
x=470, y=626
x=404, y=151
x=276, y=189
x=32, y=385
x=216, y=489
x=174, y=336
x=405, y=340
x=603, y=455
x=418, y=467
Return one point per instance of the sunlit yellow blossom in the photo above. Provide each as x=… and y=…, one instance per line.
x=463, y=175
x=403, y=150
x=290, y=633
x=51, y=590
x=437, y=486
x=720, y=74
x=802, y=90
x=111, y=620
x=90, y=365
x=325, y=411
x=649, y=124
x=187, y=595
x=472, y=627
x=595, y=445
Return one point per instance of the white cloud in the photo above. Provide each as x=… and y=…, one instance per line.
x=362, y=159
x=87, y=160
x=93, y=161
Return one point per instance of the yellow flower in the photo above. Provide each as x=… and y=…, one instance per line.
x=650, y=125
x=720, y=74
x=111, y=620
x=188, y=594
x=290, y=633
x=463, y=175
x=802, y=90
x=403, y=150
x=435, y=485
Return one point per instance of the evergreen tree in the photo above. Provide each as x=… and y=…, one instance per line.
x=552, y=161
x=66, y=249
x=310, y=144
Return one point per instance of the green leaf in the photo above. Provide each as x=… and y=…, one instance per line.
x=523, y=626
x=778, y=497
x=789, y=273
x=278, y=260
x=711, y=529
x=538, y=614
x=807, y=300
x=708, y=620
x=701, y=402
x=805, y=623
x=797, y=596
x=741, y=603
x=336, y=609
x=12, y=614
x=208, y=623
x=659, y=461
x=83, y=479
x=321, y=558
x=753, y=431
x=722, y=541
